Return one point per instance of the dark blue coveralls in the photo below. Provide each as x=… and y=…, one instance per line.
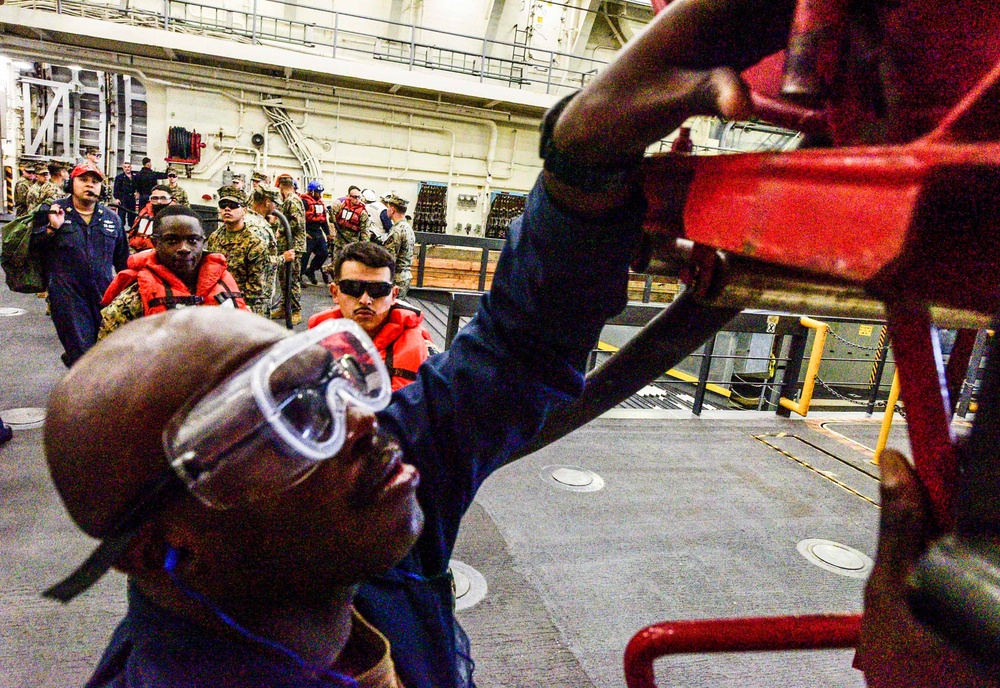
x=80, y=261
x=529, y=341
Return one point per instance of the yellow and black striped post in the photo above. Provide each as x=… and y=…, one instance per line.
x=875, y=380
x=8, y=188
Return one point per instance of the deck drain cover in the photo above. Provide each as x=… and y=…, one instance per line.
x=572, y=478
x=8, y=312
x=24, y=418
x=470, y=586
x=835, y=557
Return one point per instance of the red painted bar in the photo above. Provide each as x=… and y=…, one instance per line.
x=818, y=632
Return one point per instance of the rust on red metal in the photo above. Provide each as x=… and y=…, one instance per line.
x=870, y=215
x=917, y=217
x=818, y=632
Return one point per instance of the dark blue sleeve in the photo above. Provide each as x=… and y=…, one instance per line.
x=120, y=259
x=384, y=219
x=558, y=280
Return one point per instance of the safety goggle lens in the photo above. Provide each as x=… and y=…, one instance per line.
x=266, y=426
x=307, y=412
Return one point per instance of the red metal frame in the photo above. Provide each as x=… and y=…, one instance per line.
x=909, y=220
x=820, y=632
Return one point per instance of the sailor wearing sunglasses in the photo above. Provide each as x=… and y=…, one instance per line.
x=364, y=292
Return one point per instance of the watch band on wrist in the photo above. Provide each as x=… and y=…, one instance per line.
x=586, y=177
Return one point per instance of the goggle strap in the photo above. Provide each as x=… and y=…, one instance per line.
x=89, y=572
x=155, y=494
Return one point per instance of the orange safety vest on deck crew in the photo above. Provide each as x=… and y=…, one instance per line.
x=402, y=341
x=315, y=210
x=140, y=237
x=162, y=290
x=349, y=216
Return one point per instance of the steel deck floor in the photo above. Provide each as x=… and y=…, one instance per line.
x=698, y=518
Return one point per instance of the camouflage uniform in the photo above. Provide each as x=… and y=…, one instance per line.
x=44, y=193
x=343, y=236
x=258, y=224
x=106, y=198
x=295, y=212
x=123, y=309
x=21, y=195
x=256, y=193
x=249, y=259
x=180, y=195
x=400, y=244
x=261, y=224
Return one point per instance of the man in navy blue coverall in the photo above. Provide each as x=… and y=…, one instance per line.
x=82, y=244
x=280, y=592
x=288, y=569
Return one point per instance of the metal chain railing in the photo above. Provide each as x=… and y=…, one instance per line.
x=880, y=403
x=854, y=344
x=843, y=397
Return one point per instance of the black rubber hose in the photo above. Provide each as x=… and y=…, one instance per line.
x=287, y=301
x=667, y=340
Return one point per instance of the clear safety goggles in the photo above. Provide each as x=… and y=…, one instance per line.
x=258, y=433
x=291, y=399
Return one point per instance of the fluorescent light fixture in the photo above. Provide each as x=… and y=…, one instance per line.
x=22, y=66
x=75, y=68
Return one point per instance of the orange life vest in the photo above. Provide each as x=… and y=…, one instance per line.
x=402, y=341
x=349, y=216
x=161, y=290
x=315, y=210
x=140, y=237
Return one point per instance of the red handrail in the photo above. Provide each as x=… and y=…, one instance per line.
x=816, y=632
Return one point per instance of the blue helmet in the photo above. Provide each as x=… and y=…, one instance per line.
x=315, y=185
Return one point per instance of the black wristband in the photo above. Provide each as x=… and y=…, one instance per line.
x=570, y=171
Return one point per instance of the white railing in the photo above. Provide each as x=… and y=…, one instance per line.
x=347, y=36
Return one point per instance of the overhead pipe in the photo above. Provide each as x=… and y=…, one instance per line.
x=214, y=87
x=488, y=123
x=393, y=108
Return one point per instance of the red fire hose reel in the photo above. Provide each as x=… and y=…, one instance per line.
x=183, y=146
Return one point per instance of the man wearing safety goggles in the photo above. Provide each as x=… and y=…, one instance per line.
x=279, y=507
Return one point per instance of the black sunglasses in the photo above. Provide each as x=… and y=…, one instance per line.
x=229, y=205
x=356, y=288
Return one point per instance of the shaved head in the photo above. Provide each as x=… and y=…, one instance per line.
x=104, y=429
